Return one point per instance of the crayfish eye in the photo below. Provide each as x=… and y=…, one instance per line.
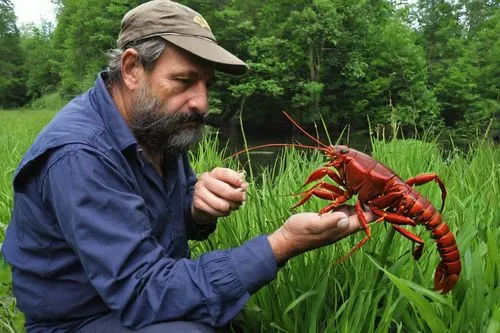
x=344, y=151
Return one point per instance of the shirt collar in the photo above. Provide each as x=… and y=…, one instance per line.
x=106, y=108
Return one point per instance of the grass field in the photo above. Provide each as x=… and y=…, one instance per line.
x=380, y=288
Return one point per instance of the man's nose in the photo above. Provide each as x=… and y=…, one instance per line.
x=198, y=102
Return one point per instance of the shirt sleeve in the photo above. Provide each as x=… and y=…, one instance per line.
x=106, y=224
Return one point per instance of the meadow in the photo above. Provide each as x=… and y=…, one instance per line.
x=380, y=288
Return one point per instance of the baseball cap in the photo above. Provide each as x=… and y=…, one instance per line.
x=181, y=26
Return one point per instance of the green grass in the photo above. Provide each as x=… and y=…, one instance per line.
x=380, y=288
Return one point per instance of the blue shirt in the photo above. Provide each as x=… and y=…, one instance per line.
x=96, y=229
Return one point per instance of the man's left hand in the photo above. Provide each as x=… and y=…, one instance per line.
x=217, y=193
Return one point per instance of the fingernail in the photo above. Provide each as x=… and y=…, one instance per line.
x=244, y=197
x=343, y=223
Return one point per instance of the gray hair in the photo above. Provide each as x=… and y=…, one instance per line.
x=149, y=51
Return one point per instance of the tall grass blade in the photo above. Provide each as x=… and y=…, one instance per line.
x=318, y=303
x=420, y=303
x=494, y=326
x=299, y=300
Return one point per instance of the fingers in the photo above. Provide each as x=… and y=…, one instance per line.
x=303, y=232
x=222, y=185
x=215, y=205
x=336, y=220
x=354, y=224
x=344, y=218
x=330, y=227
x=219, y=192
x=226, y=176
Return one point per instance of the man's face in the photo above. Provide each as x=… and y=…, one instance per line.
x=168, y=109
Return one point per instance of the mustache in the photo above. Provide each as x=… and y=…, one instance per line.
x=172, y=121
x=190, y=116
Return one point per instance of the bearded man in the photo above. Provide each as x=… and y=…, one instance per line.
x=105, y=199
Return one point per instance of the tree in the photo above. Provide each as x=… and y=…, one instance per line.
x=334, y=60
x=12, y=91
x=459, y=39
x=484, y=52
x=86, y=30
x=40, y=66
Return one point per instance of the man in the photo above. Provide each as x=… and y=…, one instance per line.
x=105, y=199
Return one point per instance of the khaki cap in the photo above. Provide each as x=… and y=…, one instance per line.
x=181, y=26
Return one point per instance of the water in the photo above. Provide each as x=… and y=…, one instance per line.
x=233, y=140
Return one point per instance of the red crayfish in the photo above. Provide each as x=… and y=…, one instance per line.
x=389, y=198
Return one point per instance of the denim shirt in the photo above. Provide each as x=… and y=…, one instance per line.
x=96, y=229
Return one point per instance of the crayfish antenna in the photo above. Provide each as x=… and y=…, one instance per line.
x=295, y=145
x=304, y=131
x=321, y=146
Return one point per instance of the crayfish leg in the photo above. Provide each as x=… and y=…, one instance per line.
x=338, y=201
x=428, y=177
x=366, y=227
x=322, y=172
x=417, y=252
x=324, y=191
x=392, y=218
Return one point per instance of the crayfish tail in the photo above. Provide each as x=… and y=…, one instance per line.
x=444, y=279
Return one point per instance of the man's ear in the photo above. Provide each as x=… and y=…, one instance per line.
x=132, y=70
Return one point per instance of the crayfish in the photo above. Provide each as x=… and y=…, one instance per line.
x=389, y=197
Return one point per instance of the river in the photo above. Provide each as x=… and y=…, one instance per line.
x=233, y=139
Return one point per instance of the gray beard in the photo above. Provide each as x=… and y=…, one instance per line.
x=161, y=132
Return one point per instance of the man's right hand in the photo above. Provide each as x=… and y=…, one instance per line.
x=303, y=232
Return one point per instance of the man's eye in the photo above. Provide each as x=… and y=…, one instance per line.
x=183, y=80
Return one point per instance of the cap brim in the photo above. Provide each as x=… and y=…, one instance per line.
x=224, y=61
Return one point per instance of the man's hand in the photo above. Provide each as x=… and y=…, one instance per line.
x=307, y=231
x=217, y=193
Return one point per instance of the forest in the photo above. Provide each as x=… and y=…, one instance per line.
x=421, y=66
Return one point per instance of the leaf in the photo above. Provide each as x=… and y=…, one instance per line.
x=494, y=326
x=299, y=300
x=318, y=303
x=414, y=294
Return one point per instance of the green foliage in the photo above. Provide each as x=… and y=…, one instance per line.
x=40, y=60
x=12, y=91
x=52, y=101
x=394, y=89
x=86, y=30
x=429, y=64
x=457, y=36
